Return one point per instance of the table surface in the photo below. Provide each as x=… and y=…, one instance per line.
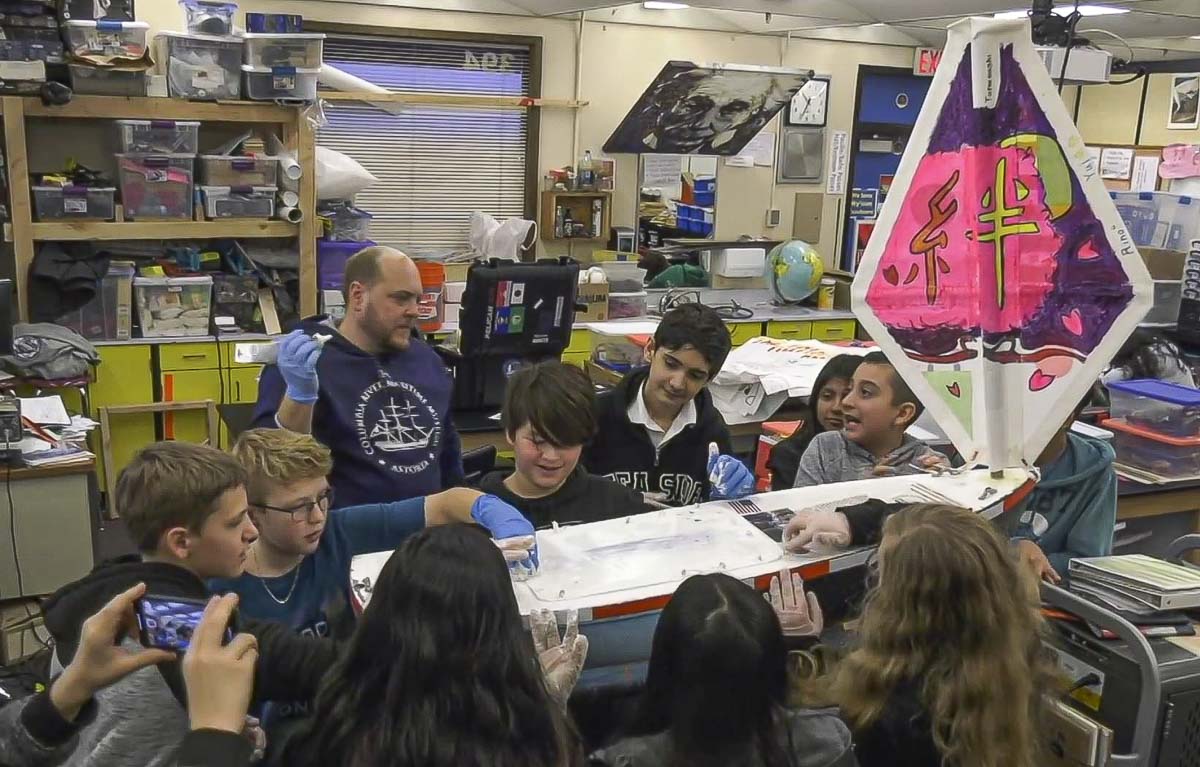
x=45, y=472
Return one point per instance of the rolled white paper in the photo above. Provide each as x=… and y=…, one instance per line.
x=344, y=81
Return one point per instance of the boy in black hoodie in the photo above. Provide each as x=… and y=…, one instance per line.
x=185, y=507
x=660, y=432
x=549, y=414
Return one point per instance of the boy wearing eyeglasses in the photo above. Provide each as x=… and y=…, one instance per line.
x=298, y=569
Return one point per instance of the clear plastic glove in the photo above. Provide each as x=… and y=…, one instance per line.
x=297, y=362
x=799, y=613
x=825, y=528
x=561, y=659
x=728, y=476
x=656, y=501
x=505, y=522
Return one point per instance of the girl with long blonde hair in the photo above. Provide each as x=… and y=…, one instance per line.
x=949, y=669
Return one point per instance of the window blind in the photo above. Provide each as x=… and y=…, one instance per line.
x=435, y=164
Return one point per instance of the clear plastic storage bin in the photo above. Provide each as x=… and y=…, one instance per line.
x=89, y=203
x=302, y=51
x=624, y=276
x=238, y=201
x=1168, y=408
x=616, y=351
x=96, y=81
x=220, y=170
x=346, y=224
x=1159, y=219
x=173, y=306
x=281, y=83
x=156, y=186
x=625, y=305
x=108, y=316
x=159, y=137
x=120, y=39
x=201, y=67
x=1147, y=450
x=208, y=17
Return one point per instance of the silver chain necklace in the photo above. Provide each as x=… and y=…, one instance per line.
x=263, y=581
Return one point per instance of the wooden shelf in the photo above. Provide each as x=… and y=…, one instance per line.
x=451, y=99
x=162, y=230
x=146, y=108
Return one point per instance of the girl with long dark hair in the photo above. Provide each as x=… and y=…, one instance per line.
x=715, y=692
x=439, y=672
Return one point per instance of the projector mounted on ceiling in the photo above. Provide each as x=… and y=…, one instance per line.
x=1068, y=57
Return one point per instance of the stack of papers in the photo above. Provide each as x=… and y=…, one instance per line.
x=52, y=436
x=1137, y=583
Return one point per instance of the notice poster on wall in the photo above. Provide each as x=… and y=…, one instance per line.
x=661, y=169
x=863, y=203
x=839, y=156
x=1116, y=163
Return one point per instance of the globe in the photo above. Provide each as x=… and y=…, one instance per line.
x=793, y=272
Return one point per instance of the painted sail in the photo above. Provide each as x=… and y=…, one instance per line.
x=1000, y=279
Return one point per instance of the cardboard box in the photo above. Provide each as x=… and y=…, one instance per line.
x=22, y=631
x=594, y=295
x=457, y=272
x=454, y=292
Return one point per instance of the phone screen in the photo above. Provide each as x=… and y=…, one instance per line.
x=169, y=623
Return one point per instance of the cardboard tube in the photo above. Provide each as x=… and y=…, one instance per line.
x=344, y=81
x=288, y=165
x=291, y=215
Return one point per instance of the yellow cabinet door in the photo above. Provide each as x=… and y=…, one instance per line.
x=833, y=330
x=240, y=386
x=741, y=332
x=792, y=331
x=186, y=386
x=581, y=341
x=578, y=359
x=123, y=377
x=194, y=356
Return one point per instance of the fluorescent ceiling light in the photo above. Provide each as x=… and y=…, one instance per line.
x=659, y=5
x=1066, y=10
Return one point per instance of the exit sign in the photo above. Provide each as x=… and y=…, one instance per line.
x=926, y=60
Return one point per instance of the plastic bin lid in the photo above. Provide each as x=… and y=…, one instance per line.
x=640, y=294
x=162, y=123
x=1175, y=394
x=168, y=281
x=107, y=23
x=284, y=36
x=75, y=188
x=1120, y=424
x=241, y=189
x=230, y=41
x=333, y=246
x=269, y=70
x=208, y=4
x=240, y=158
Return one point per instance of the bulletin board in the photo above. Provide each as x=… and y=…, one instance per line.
x=1139, y=152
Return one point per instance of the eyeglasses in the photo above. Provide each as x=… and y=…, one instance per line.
x=303, y=511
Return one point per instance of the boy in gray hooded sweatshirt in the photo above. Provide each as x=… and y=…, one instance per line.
x=872, y=441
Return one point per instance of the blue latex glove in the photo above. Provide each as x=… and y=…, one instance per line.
x=503, y=521
x=728, y=476
x=297, y=362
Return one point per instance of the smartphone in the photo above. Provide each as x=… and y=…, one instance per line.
x=168, y=623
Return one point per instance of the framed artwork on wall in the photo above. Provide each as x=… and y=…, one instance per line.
x=1185, y=102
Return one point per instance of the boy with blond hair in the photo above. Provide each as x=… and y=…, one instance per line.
x=298, y=570
x=185, y=508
